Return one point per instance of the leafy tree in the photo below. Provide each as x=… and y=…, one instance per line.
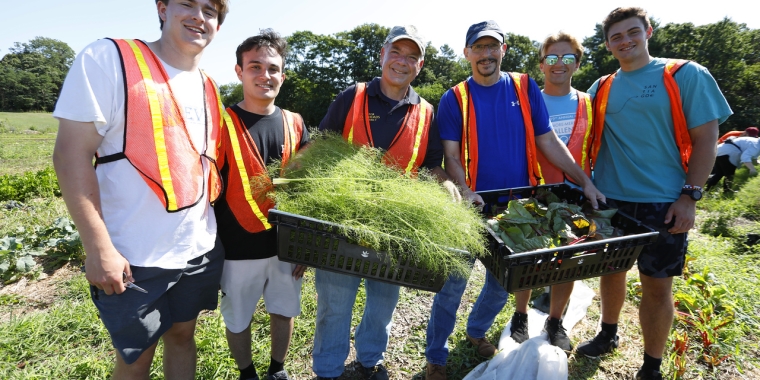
x=32, y=74
x=522, y=57
x=232, y=93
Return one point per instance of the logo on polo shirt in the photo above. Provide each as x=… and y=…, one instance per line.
x=373, y=117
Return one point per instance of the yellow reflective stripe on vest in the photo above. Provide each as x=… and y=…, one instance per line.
x=465, y=108
x=244, y=179
x=291, y=131
x=158, y=127
x=590, y=115
x=418, y=137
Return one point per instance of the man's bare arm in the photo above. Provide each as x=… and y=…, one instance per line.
x=556, y=152
x=75, y=147
x=701, y=163
x=453, y=165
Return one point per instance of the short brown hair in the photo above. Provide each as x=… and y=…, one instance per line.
x=267, y=38
x=562, y=36
x=222, y=7
x=620, y=14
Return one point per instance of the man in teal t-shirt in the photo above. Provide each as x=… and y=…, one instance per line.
x=640, y=171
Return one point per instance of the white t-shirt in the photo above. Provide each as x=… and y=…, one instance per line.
x=139, y=225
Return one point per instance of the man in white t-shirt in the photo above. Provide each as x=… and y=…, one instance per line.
x=152, y=118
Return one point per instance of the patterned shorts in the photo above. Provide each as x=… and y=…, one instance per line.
x=666, y=256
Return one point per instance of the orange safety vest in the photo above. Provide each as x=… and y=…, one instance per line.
x=156, y=140
x=238, y=150
x=680, y=128
x=469, y=144
x=578, y=145
x=408, y=149
x=729, y=135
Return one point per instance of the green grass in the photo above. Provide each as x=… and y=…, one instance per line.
x=19, y=122
x=20, y=153
x=64, y=339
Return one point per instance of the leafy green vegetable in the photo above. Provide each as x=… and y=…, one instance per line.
x=527, y=225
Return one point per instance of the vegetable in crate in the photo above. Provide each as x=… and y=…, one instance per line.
x=378, y=206
x=528, y=224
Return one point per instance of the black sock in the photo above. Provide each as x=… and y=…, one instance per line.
x=275, y=366
x=554, y=320
x=248, y=372
x=610, y=329
x=651, y=364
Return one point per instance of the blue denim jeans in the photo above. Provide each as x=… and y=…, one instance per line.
x=443, y=314
x=336, y=295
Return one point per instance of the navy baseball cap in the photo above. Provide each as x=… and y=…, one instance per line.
x=482, y=29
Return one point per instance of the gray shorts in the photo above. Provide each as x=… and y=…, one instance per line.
x=137, y=320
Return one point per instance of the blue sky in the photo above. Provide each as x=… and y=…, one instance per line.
x=79, y=22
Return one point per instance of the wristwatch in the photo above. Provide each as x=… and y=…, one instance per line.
x=695, y=192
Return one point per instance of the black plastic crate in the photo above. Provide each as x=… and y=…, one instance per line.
x=320, y=244
x=534, y=269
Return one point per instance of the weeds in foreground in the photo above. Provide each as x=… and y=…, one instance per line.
x=54, y=246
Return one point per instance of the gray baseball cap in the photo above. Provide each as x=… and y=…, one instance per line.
x=408, y=32
x=482, y=29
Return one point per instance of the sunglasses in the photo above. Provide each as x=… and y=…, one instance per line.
x=568, y=59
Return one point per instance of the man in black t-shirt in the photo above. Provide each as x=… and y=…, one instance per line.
x=256, y=133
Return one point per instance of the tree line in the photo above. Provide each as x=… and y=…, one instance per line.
x=319, y=66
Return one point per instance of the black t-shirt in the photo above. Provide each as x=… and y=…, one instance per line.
x=386, y=118
x=239, y=244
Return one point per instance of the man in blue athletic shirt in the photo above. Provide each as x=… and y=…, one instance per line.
x=642, y=163
x=501, y=143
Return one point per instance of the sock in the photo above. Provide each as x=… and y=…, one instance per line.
x=554, y=321
x=275, y=366
x=248, y=372
x=610, y=329
x=651, y=364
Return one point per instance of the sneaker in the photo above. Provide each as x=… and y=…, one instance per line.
x=602, y=343
x=648, y=375
x=281, y=375
x=519, y=327
x=485, y=348
x=557, y=334
x=377, y=372
x=435, y=372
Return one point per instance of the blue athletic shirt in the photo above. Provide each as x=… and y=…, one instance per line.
x=639, y=160
x=562, y=110
x=501, y=133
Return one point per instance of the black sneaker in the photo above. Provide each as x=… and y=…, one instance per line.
x=280, y=375
x=557, y=334
x=519, y=327
x=602, y=343
x=648, y=375
x=377, y=372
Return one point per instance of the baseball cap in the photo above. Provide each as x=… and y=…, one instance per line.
x=408, y=32
x=482, y=29
x=751, y=131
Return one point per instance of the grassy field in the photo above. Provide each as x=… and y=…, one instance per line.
x=50, y=329
x=26, y=141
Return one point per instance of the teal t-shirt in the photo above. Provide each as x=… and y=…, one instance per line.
x=638, y=160
x=562, y=111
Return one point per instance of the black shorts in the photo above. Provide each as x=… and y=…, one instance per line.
x=137, y=320
x=666, y=256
